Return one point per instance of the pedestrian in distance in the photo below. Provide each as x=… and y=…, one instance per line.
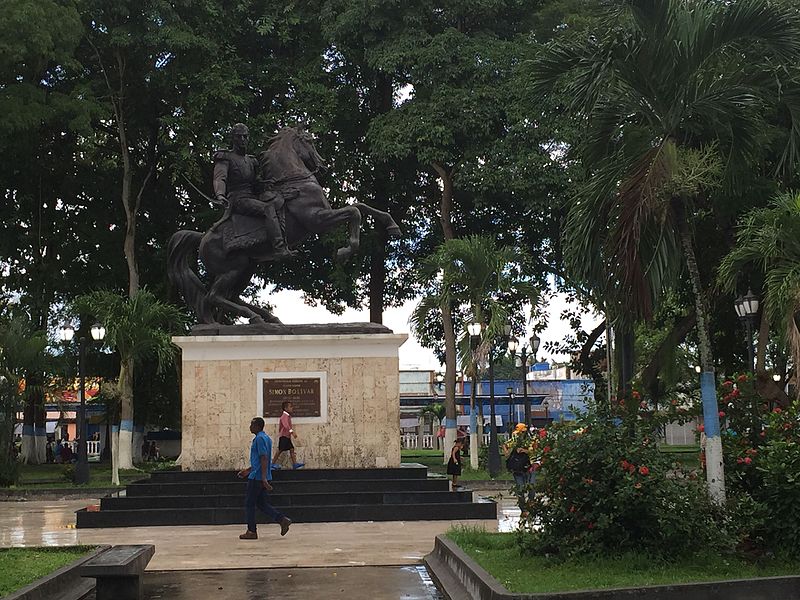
x=259, y=475
x=285, y=435
x=454, y=464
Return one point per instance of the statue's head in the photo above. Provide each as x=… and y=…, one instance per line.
x=240, y=136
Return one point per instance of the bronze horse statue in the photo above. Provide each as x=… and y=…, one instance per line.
x=287, y=167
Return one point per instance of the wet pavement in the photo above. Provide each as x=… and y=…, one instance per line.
x=391, y=543
x=367, y=583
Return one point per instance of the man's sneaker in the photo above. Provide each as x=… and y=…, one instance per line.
x=249, y=535
x=298, y=465
x=284, y=523
x=276, y=467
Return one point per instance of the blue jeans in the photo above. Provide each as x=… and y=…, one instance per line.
x=257, y=497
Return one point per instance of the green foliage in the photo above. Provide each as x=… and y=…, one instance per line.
x=762, y=466
x=606, y=488
x=768, y=244
x=138, y=328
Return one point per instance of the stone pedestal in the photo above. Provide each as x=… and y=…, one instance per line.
x=223, y=389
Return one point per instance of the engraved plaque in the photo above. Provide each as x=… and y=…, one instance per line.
x=302, y=392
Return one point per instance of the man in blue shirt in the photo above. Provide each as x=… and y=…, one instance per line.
x=258, y=475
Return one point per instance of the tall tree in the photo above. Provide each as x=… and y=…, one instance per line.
x=138, y=328
x=672, y=93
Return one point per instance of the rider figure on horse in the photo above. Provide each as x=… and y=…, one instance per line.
x=236, y=184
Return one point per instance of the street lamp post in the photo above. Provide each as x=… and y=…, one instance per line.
x=474, y=330
x=546, y=410
x=510, y=392
x=494, y=446
x=746, y=309
x=67, y=333
x=524, y=360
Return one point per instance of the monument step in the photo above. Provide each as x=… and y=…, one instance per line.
x=285, y=500
x=236, y=486
x=411, y=471
x=299, y=514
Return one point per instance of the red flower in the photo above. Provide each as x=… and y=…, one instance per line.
x=763, y=434
x=636, y=395
x=644, y=470
x=735, y=393
x=786, y=427
x=674, y=403
x=546, y=449
x=590, y=525
x=741, y=378
x=642, y=404
x=722, y=414
x=748, y=460
x=701, y=428
x=727, y=383
x=751, y=451
x=777, y=410
x=631, y=468
x=624, y=464
x=588, y=480
x=739, y=460
x=542, y=433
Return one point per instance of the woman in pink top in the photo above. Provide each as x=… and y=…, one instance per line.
x=285, y=435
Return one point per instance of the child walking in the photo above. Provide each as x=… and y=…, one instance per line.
x=454, y=464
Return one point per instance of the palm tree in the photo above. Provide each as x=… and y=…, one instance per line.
x=137, y=328
x=484, y=280
x=672, y=93
x=768, y=241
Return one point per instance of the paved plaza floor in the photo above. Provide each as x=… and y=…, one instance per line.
x=352, y=583
x=317, y=545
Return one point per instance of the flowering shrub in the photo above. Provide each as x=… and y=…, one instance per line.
x=603, y=486
x=762, y=467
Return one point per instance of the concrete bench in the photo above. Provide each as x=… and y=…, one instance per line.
x=119, y=571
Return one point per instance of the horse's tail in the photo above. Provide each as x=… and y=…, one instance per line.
x=183, y=246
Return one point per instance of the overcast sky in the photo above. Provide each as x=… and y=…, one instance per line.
x=290, y=308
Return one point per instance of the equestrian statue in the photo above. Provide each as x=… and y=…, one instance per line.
x=271, y=203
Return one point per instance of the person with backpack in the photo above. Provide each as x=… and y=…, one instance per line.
x=518, y=452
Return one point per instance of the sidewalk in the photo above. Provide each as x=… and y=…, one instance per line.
x=51, y=523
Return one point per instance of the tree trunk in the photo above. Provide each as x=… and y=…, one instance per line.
x=715, y=474
x=474, y=441
x=382, y=187
x=449, y=381
x=125, y=459
x=446, y=204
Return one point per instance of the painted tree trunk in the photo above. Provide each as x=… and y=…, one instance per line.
x=715, y=474
x=115, y=455
x=449, y=382
x=125, y=460
x=474, y=440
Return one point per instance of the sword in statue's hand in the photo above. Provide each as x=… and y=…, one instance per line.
x=222, y=201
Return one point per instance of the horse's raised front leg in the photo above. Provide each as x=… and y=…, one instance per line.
x=325, y=220
x=382, y=218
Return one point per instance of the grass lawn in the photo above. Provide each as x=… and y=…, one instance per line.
x=51, y=476
x=21, y=566
x=498, y=554
x=433, y=460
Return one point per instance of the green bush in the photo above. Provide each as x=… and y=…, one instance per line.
x=604, y=487
x=9, y=471
x=762, y=467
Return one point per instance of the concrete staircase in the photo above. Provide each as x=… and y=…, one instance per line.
x=306, y=496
